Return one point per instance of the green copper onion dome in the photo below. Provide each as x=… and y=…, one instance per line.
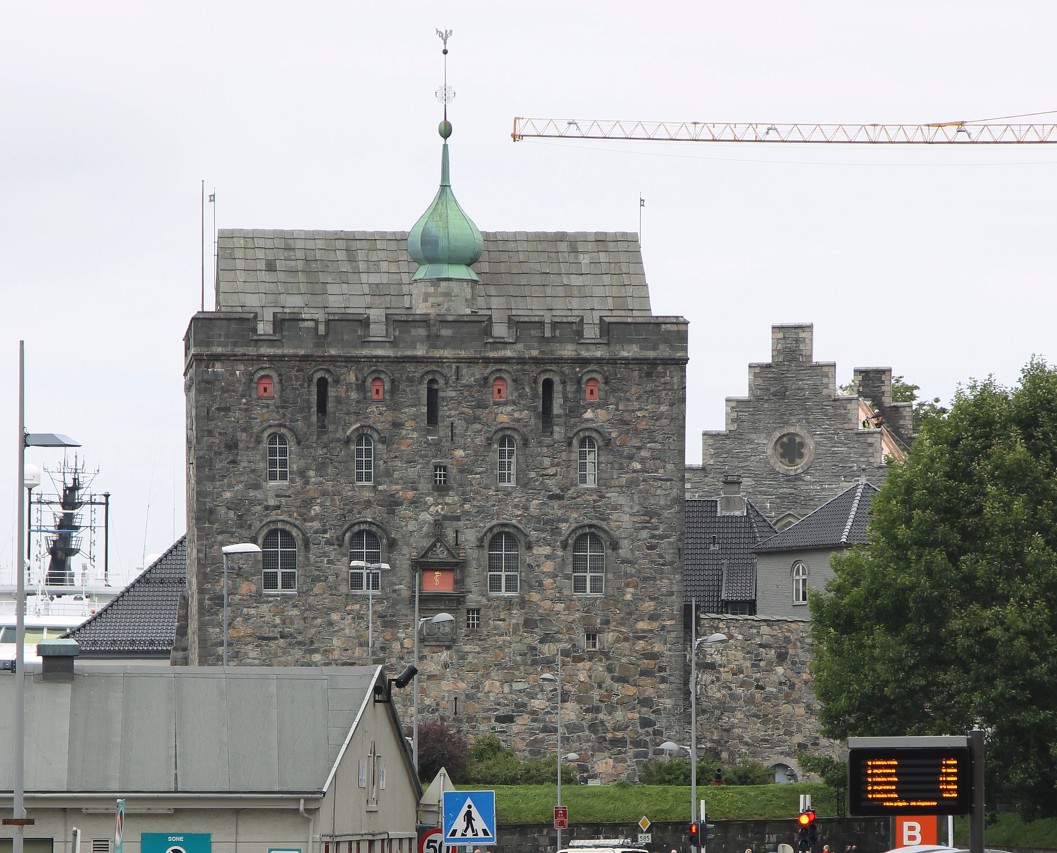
x=444, y=241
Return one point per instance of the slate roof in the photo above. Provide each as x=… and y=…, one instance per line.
x=141, y=620
x=538, y=273
x=838, y=523
x=187, y=729
x=719, y=564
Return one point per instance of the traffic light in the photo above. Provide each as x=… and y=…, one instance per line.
x=695, y=838
x=807, y=832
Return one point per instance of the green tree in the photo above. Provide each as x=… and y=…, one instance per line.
x=947, y=618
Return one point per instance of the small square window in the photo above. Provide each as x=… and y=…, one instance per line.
x=591, y=641
x=440, y=475
x=473, y=618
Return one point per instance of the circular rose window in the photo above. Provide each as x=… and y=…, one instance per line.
x=791, y=451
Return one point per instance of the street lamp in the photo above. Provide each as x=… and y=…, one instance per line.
x=369, y=575
x=25, y=439
x=439, y=619
x=710, y=640
x=31, y=479
x=237, y=548
x=569, y=756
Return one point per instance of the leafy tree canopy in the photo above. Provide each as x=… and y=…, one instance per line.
x=947, y=619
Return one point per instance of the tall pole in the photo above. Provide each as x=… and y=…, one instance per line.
x=18, y=811
x=414, y=692
x=225, y=611
x=559, y=831
x=693, y=710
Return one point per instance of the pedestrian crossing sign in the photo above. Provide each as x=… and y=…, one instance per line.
x=469, y=817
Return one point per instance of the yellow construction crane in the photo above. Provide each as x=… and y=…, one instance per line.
x=986, y=132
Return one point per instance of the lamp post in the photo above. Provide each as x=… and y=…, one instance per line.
x=237, y=548
x=25, y=439
x=369, y=570
x=571, y=756
x=439, y=619
x=712, y=639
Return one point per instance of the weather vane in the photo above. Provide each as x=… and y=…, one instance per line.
x=445, y=94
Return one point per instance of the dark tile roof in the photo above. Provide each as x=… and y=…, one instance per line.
x=141, y=620
x=719, y=564
x=838, y=523
x=540, y=273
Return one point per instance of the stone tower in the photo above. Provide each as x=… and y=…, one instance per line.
x=443, y=422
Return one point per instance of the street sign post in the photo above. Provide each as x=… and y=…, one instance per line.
x=561, y=817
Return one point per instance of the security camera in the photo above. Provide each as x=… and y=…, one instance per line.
x=404, y=678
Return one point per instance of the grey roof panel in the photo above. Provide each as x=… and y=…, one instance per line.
x=251, y=730
x=147, y=756
x=204, y=751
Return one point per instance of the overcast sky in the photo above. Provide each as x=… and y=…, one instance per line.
x=938, y=261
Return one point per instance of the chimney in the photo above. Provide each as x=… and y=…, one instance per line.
x=731, y=501
x=56, y=658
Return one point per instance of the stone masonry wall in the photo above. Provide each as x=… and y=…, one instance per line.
x=755, y=700
x=621, y=650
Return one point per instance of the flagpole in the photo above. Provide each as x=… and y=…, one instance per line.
x=203, y=236
x=213, y=201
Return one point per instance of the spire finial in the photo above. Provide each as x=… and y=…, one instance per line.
x=445, y=94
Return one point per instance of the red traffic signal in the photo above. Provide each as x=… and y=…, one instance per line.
x=806, y=818
x=693, y=833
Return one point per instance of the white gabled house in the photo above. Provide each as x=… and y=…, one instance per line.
x=247, y=760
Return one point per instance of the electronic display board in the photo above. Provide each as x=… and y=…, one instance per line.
x=931, y=780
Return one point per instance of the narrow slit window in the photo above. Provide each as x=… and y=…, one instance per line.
x=499, y=388
x=591, y=390
x=322, y=391
x=547, y=406
x=377, y=388
x=265, y=387
x=432, y=403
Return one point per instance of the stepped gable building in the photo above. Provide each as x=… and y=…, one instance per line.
x=487, y=426
x=796, y=441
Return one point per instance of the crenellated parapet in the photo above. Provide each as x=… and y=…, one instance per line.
x=408, y=334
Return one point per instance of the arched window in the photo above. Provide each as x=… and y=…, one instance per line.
x=507, y=470
x=278, y=458
x=364, y=459
x=265, y=387
x=504, y=556
x=499, y=388
x=587, y=462
x=589, y=565
x=377, y=388
x=279, y=561
x=547, y=406
x=591, y=389
x=365, y=547
x=432, y=402
x=799, y=583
